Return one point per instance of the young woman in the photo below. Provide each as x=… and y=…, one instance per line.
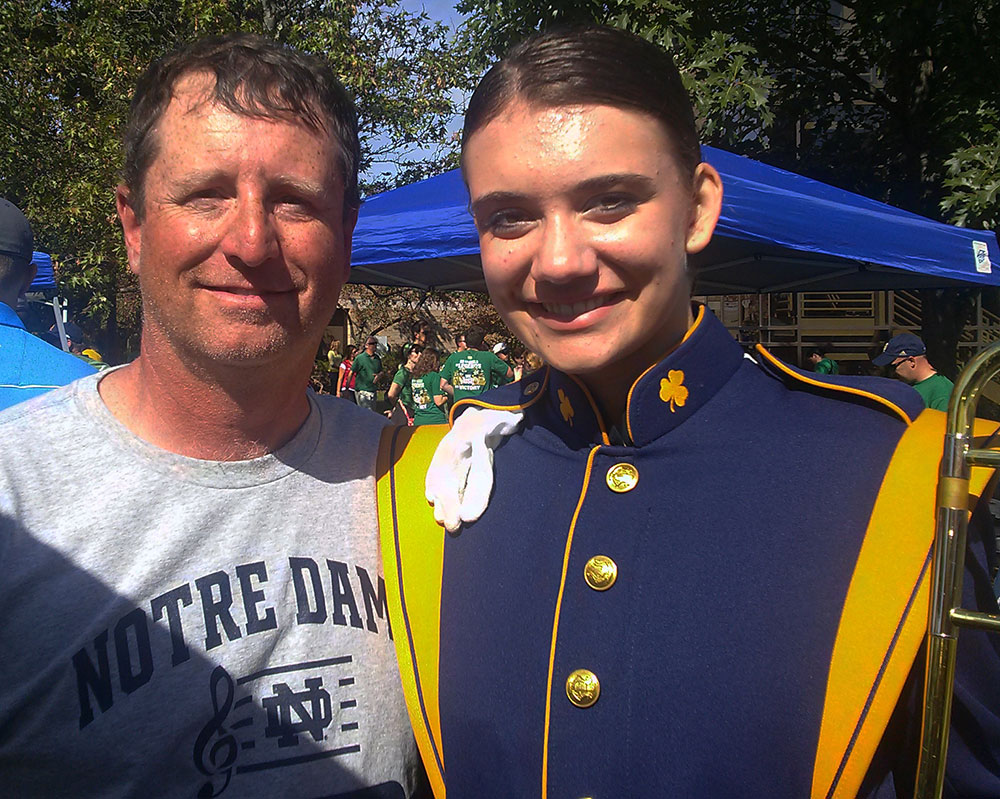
x=429, y=401
x=399, y=392
x=652, y=603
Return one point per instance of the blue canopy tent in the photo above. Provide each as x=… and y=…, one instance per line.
x=45, y=278
x=778, y=232
x=45, y=283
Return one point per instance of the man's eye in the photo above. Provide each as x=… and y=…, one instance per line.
x=293, y=204
x=203, y=198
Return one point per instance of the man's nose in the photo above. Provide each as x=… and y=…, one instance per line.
x=251, y=238
x=565, y=253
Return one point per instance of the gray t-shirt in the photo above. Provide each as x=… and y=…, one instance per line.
x=178, y=627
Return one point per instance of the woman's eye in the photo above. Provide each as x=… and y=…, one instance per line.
x=613, y=206
x=508, y=223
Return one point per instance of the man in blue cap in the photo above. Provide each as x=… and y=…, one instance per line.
x=28, y=366
x=908, y=357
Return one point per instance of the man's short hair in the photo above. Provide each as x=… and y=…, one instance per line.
x=254, y=77
x=474, y=338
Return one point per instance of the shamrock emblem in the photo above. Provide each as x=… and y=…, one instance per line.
x=673, y=390
x=565, y=408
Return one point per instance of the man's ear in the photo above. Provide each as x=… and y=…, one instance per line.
x=706, y=207
x=350, y=221
x=29, y=276
x=131, y=225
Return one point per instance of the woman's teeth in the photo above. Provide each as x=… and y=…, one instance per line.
x=575, y=309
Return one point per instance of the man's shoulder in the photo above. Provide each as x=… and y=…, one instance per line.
x=39, y=414
x=344, y=420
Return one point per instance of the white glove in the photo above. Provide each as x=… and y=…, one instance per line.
x=460, y=477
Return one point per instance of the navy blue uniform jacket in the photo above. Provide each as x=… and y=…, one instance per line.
x=743, y=499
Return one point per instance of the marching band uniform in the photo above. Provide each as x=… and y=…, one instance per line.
x=664, y=609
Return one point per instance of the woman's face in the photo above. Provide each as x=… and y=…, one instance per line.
x=585, y=221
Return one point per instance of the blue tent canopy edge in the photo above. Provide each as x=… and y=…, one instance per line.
x=779, y=231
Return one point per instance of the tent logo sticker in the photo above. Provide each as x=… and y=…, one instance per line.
x=982, y=256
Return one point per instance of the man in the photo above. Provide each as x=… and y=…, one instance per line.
x=822, y=365
x=206, y=626
x=908, y=357
x=687, y=620
x=501, y=351
x=28, y=366
x=470, y=371
x=367, y=368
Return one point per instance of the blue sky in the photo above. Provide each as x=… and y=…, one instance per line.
x=443, y=10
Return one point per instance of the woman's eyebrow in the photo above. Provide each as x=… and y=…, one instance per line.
x=595, y=184
x=495, y=197
x=605, y=182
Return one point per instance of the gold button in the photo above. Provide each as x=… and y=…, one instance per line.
x=622, y=477
x=600, y=572
x=583, y=688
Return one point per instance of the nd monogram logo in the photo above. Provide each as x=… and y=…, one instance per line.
x=293, y=708
x=311, y=707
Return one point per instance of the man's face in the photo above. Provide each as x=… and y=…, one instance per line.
x=905, y=368
x=244, y=245
x=585, y=221
x=371, y=348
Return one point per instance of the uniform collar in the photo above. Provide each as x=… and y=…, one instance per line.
x=663, y=397
x=9, y=317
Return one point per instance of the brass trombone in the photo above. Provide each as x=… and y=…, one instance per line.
x=946, y=615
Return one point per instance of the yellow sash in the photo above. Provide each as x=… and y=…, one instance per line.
x=884, y=618
x=413, y=561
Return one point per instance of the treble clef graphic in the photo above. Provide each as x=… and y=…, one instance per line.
x=215, y=748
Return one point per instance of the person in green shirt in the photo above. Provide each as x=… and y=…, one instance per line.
x=471, y=371
x=821, y=363
x=367, y=367
x=501, y=351
x=907, y=355
x=429, y=401
x=400, y=386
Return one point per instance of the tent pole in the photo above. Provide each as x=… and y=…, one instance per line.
x=57, y=312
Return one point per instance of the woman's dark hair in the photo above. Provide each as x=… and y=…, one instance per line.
x=591, y=65
x=352, y=350
x=428, y=362
x=254, y=77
